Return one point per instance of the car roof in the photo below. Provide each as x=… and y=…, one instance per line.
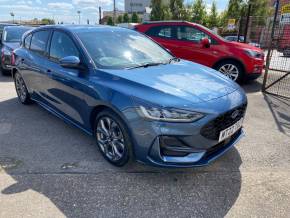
x=17, y=27
x=81, y=28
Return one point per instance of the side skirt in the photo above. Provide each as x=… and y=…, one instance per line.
x=68, y=121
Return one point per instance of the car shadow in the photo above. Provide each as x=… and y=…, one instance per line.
x=252, y=86
x=42, y=153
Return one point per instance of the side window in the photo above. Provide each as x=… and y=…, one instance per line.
x=161, y=31
x=190, y=34
x=62, y=46
x=27, y=41
x=38, y=42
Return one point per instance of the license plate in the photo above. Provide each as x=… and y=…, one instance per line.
x=230, y=130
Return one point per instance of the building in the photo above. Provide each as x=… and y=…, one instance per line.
x=138, y=6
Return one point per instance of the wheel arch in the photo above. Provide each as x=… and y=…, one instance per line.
x=101, y=107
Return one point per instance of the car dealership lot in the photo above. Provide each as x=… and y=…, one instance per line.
x=50, y=169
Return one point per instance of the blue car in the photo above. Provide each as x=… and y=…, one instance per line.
x=134, y=97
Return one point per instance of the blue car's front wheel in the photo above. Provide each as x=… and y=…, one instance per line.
x=112, y=138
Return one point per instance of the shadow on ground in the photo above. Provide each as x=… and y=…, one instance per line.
x=280, y=109
x=42, y=153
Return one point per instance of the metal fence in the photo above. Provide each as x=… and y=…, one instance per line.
x=277, y=72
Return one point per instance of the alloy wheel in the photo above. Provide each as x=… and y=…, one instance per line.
x=110, y=139
x=230, y=70
x=20, y=88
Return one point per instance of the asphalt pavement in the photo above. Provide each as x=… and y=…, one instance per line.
x=51, y=169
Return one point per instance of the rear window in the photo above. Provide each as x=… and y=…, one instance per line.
x=27, y=41
x=39, y=41
x=14, y=34
x=161, y=31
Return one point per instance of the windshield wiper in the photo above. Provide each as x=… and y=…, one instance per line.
x=144, y=65
x=173, y=59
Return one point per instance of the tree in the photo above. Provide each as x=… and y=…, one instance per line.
x=47, y=21
x=135, y=18
x=213, y=18
x=198, y=12
x=176, y=6
x=234, y=9
x=110, y=21
x=120, y=19
x=126, y=18
x=159, y=11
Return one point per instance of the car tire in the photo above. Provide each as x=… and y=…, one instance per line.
x=112, y=138
x=21, y=89
x=231, y=69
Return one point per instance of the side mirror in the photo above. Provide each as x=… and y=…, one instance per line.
x=70, y=62
x=205, y=43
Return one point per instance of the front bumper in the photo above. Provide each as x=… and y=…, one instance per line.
x=195, y=159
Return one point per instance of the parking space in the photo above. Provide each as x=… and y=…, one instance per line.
x=50, y=169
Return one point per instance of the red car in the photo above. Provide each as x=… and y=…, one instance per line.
x=196, y=43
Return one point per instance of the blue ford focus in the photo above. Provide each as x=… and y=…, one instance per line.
x=135, y=98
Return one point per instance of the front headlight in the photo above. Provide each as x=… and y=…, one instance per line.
x=169, y=115
x=254, y=54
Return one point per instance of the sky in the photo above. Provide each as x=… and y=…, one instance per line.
x=66, y=10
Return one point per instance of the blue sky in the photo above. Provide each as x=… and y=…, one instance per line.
x=66, y=10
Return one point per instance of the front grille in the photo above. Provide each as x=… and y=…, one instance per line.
x=214, y=127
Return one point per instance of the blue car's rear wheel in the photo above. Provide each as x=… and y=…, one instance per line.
x=112, y=138
x=21, y=89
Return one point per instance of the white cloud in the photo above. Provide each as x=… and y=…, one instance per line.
x=92, y=2
x=38, y=1
x=60, y=5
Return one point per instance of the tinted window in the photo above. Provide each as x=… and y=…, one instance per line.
x=122, y=48
x=14, y=34
x=62, y=46
x=190, y=34
x=27, y=41
x=161, y=31
x=38, y=42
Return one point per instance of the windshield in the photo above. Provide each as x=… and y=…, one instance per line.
x=117, y=49
x=14, y=34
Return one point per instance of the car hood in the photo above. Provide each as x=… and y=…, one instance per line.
x=12, y=45
x=245, y=46
x=187, y=80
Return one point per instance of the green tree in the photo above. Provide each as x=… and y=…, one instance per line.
x=213, y=18
x=110, y=21
x=135, y=18
x=120, y=19
x=126, y=18
x=47, y=21
x=176, y=7
x=159, y=11
x=234, y=9
x=198, y=12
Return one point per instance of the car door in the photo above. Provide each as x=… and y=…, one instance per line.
x=65, y=86
x=190, y=48
x=34, y=63
x=164, y=35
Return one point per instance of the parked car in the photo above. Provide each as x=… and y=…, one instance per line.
x=133, y=96
x=241, y=39
x=2, y=25
x=284, y=40
x=195, y=42
x=10, y=40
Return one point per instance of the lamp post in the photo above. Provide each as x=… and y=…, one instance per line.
x=12, y=15
x=79, y=13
